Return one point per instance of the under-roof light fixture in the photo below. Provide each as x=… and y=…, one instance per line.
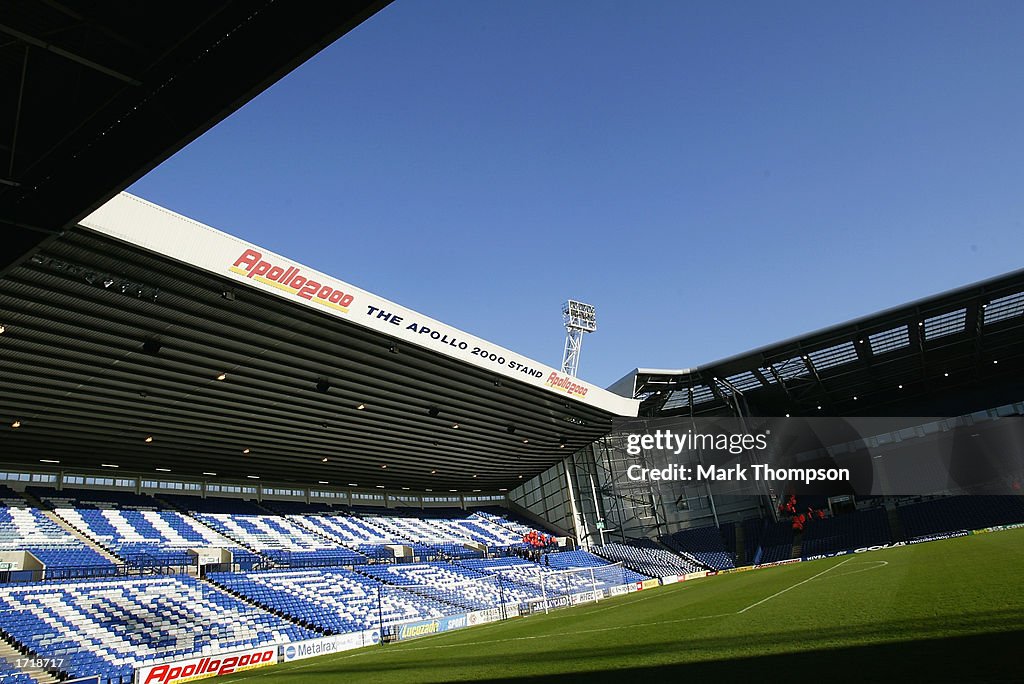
x=455, y=426
x=380, y=486
x=787, y=415
x=405, y=489
x=109, y=465
x=520, y=477
x=819, y=407
x=149, y=439
x=433, y=472
x=945, y=375
x=995, y=360
x=16, y=424
x=323, y=460
x=360, y=407
x=503, y=489
x=855, y=397
x=475, y=475
x=48, y=460
x=163, y=470
x=245, y=451
x=526, y=441
x=323, y=482
x=253, y=477
x=213, y=474
x=222, y=376
x=3, y=329
x=899, y=387
x=384, y=466
x=352, y=484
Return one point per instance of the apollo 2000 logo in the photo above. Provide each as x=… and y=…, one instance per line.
x=566, y=384
x=290, y=279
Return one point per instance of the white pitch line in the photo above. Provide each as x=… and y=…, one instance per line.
x=367, y=651
x=780, y=593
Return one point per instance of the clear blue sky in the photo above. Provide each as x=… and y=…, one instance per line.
x=711, y=176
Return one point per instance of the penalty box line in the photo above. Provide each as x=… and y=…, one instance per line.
x=780, y=593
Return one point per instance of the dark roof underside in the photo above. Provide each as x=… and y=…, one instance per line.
x=78, y=313
x=951, y=354
x=95, y=94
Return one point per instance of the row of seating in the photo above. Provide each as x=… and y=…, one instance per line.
x=959, y=513
x=847, y=531
x=9, y=674
x=146, y=531
x=333, y=600
x=27, y=529
x=705, y=545
x=109, y=627
x=647, y=558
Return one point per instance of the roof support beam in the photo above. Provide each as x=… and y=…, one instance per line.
x=67, y=54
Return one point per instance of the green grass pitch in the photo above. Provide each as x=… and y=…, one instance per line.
x=950, y=611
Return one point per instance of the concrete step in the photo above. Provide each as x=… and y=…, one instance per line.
x=9, y=653
x=78, y=534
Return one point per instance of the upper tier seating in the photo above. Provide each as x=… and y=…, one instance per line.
x=213, y=504
x=136, y=527
x=108, y=627
x=281, y=538
x=27, y=529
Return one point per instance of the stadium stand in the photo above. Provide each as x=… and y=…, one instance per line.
x=9, y=674
x=280, y=538
x=846, y=532
x=571, y=560
x=767, y=541
x=647, y=558
x=23, y=528
x=333, y=600
x=454, y=584
x=134, y=527
x=704, y=545
x=530, y=581
x=109, y=627
x=959, y=513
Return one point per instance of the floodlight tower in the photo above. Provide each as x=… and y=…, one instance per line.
x=579, y=319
